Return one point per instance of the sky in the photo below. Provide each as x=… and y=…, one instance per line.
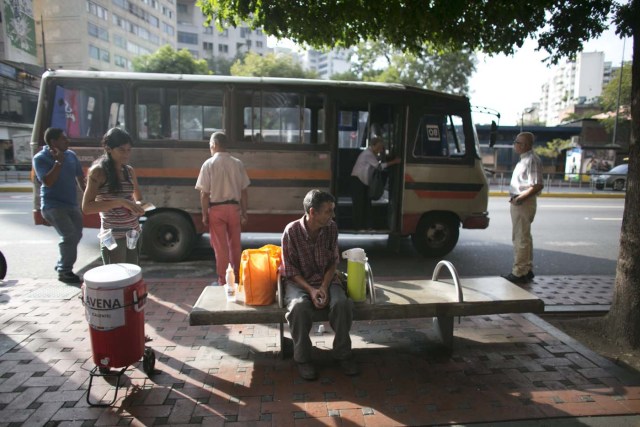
x=509, y=84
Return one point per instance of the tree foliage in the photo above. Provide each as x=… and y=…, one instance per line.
x=270, y=65
x=168, y=60
x=561, y=26
x=430, y=69
x=609, y=97
x=553, y=149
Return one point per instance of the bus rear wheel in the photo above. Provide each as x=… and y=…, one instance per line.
x=436, y=235
x=168, y=237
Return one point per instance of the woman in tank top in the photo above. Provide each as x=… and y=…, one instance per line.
x=113, y=192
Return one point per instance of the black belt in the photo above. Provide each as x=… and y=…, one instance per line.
x=226, y=202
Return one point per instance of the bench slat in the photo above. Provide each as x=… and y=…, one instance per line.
x=399, y=299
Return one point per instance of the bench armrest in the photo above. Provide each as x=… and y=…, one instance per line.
x=280, y=290
x=454, y=276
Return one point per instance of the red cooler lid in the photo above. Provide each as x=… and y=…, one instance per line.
x=112, y=276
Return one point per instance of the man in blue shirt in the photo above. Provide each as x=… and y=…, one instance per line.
x=59, y=171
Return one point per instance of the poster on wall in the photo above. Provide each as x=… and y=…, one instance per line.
x=20, y=25
x=573, y=164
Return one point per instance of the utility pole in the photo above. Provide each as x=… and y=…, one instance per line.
x=44, y=48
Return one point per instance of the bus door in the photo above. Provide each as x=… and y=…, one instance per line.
x=356, y=125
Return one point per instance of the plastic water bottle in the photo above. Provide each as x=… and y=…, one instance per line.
x=230, y=285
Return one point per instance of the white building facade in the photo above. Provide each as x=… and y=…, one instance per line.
x=573, y=83
x=326, y=64
x=210, y=42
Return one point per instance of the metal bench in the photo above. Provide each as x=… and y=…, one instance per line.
x=395, y=299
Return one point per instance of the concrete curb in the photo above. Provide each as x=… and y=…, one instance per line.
x=567, y=195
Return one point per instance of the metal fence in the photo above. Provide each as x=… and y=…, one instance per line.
x=15, y=173
x=559, y=181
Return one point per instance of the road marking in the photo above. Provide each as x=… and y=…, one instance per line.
x=14, y=213
x=574, y=244
x=605, y=219
x=27, y=242
x=582, y=206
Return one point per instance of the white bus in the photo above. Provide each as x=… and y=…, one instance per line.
x=292, y=135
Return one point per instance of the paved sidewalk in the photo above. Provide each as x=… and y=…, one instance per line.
x=504, y=368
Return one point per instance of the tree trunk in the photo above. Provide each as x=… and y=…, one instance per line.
x=623, y=320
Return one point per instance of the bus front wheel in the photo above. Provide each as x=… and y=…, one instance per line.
x=436, y=234
x=168, y=237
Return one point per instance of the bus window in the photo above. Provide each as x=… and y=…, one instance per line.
x=280, y=117
x=455, y=136
x=201, y=113
x=86, y=112
x=352, y=128
x=440, y=136
x=152, y=111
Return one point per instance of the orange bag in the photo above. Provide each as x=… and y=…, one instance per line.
x=259, y=274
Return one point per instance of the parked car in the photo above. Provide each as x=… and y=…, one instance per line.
x=616, y=178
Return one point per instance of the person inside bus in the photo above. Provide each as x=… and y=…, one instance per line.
x=113, y=192
x=60, y=173
x=223, y=183
x=360, y=178
x=310, y=257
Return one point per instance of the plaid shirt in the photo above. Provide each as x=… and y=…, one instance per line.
x=309, y=259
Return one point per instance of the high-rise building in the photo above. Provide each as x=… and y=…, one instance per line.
x=102, y=34
x=326, y=64
x=573, y=83
x=211, y=42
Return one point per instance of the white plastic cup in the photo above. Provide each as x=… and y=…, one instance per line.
x=132, y=238
x=230, y=291
x=107, y=239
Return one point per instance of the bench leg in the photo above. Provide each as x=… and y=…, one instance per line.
x=444, y=327
x=286, y=344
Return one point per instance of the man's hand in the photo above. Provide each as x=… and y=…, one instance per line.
x=319, y=298
x=58, y=155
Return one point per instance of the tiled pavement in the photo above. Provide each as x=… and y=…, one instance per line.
x=508, y=367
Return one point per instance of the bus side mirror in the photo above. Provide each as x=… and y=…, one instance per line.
x=493, y=135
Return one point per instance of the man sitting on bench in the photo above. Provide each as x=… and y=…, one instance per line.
x=309, y=260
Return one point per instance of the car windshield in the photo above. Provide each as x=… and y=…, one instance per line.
x=620, y=169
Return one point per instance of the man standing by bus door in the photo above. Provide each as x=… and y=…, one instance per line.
x=223, y=184
x=59, y=171
x=526, y=183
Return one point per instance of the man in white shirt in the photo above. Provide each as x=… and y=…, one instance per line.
x=360, y=179
x=223, y=184
x=526, y=183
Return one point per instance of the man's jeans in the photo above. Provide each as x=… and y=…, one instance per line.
x=68, y=224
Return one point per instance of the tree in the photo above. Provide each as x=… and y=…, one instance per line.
x=168, y=60
x=220, y=66
x=270, y=65
x=609, y=97
x=560, y=27
x=553, y=149
x=445, y=71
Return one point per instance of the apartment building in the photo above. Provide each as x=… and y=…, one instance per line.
x=211, y=42
x=328, y=63
x=102, y=34
x=573, y=83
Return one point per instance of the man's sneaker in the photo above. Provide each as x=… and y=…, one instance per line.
x=530, y=275
x=307, y=371
x=69, y=277
x=349, y=367
x=518, y=280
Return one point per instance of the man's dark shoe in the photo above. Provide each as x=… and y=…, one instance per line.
x=349, y=367
x=530, y=275
x=69, y=277
x=307, y=371
x=518, y=280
